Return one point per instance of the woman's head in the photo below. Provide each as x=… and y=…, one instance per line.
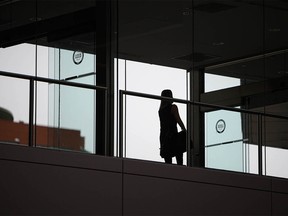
x=166, y=93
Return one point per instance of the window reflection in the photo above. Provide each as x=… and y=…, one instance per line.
x=158, y=45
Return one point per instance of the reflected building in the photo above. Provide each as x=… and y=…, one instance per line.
x=17, y=133
x=86, y=76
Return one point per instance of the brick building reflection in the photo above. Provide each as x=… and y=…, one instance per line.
x=49, y=137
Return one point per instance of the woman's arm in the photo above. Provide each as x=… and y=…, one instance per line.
x=175, y=113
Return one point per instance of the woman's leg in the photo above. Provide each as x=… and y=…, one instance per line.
x=179, y=159
x=168, y=160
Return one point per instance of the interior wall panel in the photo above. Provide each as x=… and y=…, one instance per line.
x=36, y=189
x=38, y=182
x=145, y=195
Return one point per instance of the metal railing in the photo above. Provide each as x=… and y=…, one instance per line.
x=189, y=104
x=33, y=79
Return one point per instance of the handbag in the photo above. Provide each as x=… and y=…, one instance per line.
x=181, y=142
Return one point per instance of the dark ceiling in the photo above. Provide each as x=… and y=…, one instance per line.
x=206, y=34
x=225, y=37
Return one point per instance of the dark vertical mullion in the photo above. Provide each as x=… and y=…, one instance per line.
x=197, y=82
x=102, y=68
x=121, y=124
x=31, y=113
x=109, y=98
x=116, y=41
x=260, y=145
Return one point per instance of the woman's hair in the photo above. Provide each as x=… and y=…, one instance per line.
x=166, y=93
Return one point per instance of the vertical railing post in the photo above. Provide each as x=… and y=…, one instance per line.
x=121, y=124
x=31, y=113
x=188, y=135
x=106, y=124
x=260, y=153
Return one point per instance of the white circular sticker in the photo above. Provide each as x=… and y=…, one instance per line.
x=78, y=57
x=220, y=126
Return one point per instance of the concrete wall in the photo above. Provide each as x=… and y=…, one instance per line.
x=40, y=181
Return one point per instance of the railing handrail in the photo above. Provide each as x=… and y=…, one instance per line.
x=259, y=115
x=32, y=80
x=54, y=81
x=227, y=143
x=157, y=97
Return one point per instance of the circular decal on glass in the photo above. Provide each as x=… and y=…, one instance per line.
x=78, y=57
x=220, y=126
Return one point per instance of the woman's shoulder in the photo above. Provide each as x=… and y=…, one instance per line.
x=174, y=107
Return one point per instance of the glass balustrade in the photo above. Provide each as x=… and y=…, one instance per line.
x=234, y=139
x=231, y=141
x=14, y=122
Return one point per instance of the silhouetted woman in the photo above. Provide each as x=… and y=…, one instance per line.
x=169, y=118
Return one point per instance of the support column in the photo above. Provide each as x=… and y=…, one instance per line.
x=104, y=77
x=197, y=127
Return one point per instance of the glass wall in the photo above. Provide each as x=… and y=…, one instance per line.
x=14, y=121
x=19, y=57
x=229, y=47
x=154, y=51
x=70, y=49
x=231, y=141
x=142, y=126
x=252, y=50
x=224, y=140
x=50, y=39
x=275, y=148
x=72, y=108
x=205, y=51
x=240, y=62
x=275, y=101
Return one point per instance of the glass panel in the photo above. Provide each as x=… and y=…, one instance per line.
x=70, y=111
x=154, y=53
x=228, y=43
x=146, y=35
x=228, y=48
x=142, y=128
x=77, y=112
x=69, y=38
x=14, y=111
x=18, y=20
x=76, y=66
x=76, y=106
x=18, y=59
x=276, y=67
x=215, y=82
x=67, y=52
x=71, y=122
x=42, y=129
x=139, y=76
x=275, y=147
x=230, y=139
